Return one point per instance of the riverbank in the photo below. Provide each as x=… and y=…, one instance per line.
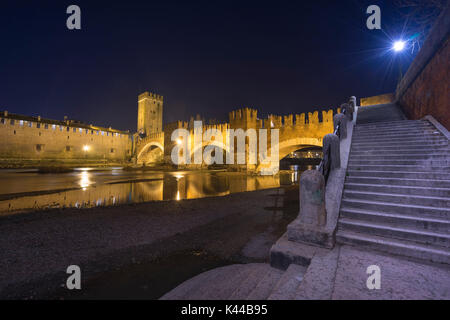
x=62, y=163
x=139, y=250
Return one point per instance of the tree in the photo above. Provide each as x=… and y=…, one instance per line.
x=420, y=16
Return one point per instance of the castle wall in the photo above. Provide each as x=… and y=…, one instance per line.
x=39, y=140
x=295, y=131
x=150, y=113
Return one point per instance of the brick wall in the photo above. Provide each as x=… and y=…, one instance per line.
x=424, y=88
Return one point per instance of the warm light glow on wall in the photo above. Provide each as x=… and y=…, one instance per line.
x=86, y=148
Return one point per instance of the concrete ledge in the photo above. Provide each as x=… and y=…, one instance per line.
x=298, y=232
x=284, y=253
x=319, y=280
x=438, y=126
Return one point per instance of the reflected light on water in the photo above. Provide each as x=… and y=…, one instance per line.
x=179, y=176
x=172, y=186
x=85, y=180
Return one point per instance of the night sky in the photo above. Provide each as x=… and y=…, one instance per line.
x=204, y=57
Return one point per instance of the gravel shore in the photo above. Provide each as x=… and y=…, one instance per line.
x=112, y=244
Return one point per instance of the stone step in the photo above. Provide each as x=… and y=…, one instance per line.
x=400, y=233
x=404, y=147
x=287, y=285
x=412, y=136
x=265, y=285
x=194, y=287
x=394, y=121
x=396, y=208
x=384, y=129
x=377, y=156
x=424, y=162
x=394, y=246
x=387, y=130
x=397, y=219
x=430, y=201
x=245, y=287
x=399, y=168
x=431, y=142
x=433, y=175
x=421, y=139
x=399, y=190
x=392, y=124
x=394, y=130
x=407, y=133
x=400, y=181
x=225, y=285
x=399, y=146
x=403, y=152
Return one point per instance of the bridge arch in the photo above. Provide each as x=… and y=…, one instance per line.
x=215, y=143
x=291, y=145
x=144, y=149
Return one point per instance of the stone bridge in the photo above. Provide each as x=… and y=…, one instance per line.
x=150, y=148
x=295, y=132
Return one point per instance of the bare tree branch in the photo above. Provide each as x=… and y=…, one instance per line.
x=420, y=16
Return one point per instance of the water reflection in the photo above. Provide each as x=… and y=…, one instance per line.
x=84, y=179
x=117, y=187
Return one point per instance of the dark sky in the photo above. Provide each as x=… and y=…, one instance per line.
x=205, y=57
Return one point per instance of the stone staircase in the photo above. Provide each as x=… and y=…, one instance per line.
x=253, y=281
x=397, y=190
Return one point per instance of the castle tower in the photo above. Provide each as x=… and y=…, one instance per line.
x=150, y=113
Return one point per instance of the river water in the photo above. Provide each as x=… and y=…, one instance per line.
x=25, y=190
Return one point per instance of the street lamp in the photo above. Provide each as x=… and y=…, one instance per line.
x=398, y=45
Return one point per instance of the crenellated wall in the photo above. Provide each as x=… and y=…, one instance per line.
x=37, y=139
x=295, y=130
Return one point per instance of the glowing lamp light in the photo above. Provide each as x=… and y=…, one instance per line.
x=398, y=46
x=179, y=141
x=86, y=148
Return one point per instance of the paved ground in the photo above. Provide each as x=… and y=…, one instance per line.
x=400, y=278
x=341, y=274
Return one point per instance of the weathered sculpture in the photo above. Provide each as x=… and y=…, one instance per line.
x=312, y=198
x=311, y=225
x=349, y=110
x=352, y=102
x=341, y=121
x=331, y=154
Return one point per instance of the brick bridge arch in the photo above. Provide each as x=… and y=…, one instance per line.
x=144, y=144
